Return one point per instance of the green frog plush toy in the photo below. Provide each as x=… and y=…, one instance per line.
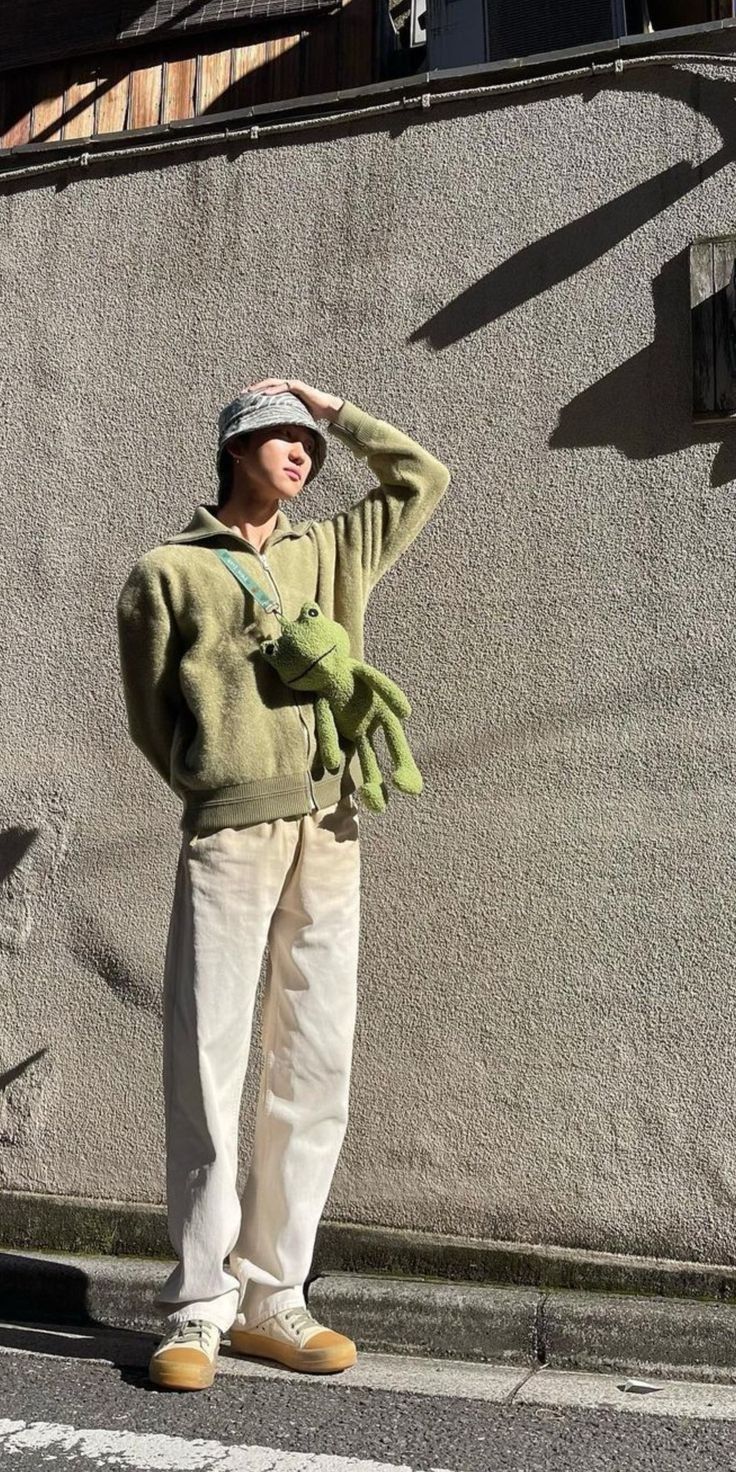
x=312, y=653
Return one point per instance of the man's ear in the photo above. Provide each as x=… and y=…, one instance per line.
x=237, y=445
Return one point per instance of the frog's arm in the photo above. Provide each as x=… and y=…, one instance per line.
x=327, y=738
x=394, y=697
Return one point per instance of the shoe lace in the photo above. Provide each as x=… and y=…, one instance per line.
x=299, y=1318
x=194, y=1330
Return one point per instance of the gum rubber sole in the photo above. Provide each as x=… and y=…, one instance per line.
x=181, y=1377
x=310, y=1361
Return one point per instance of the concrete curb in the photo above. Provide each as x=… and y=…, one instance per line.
x=31, y=1221
x=563, y=1330
x=496, y=1324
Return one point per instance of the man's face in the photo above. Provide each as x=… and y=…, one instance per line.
x=276, y=460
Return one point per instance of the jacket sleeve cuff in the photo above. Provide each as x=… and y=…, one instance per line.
x=350, y=423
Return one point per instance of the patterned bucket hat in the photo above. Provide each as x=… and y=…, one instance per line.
x=258, y=411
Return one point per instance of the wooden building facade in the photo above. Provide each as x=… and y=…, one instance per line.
x=92, y=69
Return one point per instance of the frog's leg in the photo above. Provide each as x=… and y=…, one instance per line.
x=372, y=790
x=383, y=686
x=406, y=774
x=329, y=746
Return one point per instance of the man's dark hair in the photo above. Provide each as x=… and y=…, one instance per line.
x=227, y=467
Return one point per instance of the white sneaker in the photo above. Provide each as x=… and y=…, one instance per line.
x=186, y=1358
x=294, y=1338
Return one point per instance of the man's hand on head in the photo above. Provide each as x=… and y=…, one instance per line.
x=320, y=406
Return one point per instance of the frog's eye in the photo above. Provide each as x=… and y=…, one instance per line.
x=313, y=612
x=269, y=647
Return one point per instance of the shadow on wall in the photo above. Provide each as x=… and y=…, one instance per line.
x=117, y=966
x=11, y=1074
x=24, y=1090
x=14, y=844
x=618, y=409
x=18, y=884
x=556, y=257
x=32, y=856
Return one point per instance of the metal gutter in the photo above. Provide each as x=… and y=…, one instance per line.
x=422, y=90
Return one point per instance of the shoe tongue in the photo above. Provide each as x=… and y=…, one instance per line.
x=192, y=1328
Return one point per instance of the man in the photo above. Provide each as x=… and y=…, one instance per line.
x=269, y=856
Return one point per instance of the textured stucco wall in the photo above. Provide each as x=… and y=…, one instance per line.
x=546, y=1030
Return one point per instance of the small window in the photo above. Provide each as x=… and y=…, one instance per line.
x=713, y=327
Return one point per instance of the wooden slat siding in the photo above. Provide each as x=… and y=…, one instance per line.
x=38, y=31
x=48, y=105
x=701, y=318
x=17, y=105
x=214, y=69
x=355, y=58
x=320, y=65
x=724, y=324
x=144, y=102
x=179, y=85
x=251, y=83
x=113, y=91
x=79, y=120
x=285, y=67
x=87, y=98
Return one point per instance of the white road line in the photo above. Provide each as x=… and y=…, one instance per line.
x=169, y=1453
x=49, y=1332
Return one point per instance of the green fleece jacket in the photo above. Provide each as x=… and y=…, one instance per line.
x=214, y=720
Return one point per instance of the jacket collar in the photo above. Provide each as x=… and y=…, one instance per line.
x=206, y=524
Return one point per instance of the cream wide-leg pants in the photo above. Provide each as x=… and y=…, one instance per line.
x=294, y=883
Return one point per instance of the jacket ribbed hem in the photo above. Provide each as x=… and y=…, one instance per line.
x=261, y=802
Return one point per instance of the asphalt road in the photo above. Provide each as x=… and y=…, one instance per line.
x=81, y=1400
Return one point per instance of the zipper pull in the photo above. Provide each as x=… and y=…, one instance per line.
x=262, y=558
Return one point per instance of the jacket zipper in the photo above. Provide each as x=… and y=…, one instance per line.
x=262, y=560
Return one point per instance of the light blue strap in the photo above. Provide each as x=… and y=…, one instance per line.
x=247, y=581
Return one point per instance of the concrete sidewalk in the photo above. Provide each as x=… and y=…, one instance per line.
x=664, y=1337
